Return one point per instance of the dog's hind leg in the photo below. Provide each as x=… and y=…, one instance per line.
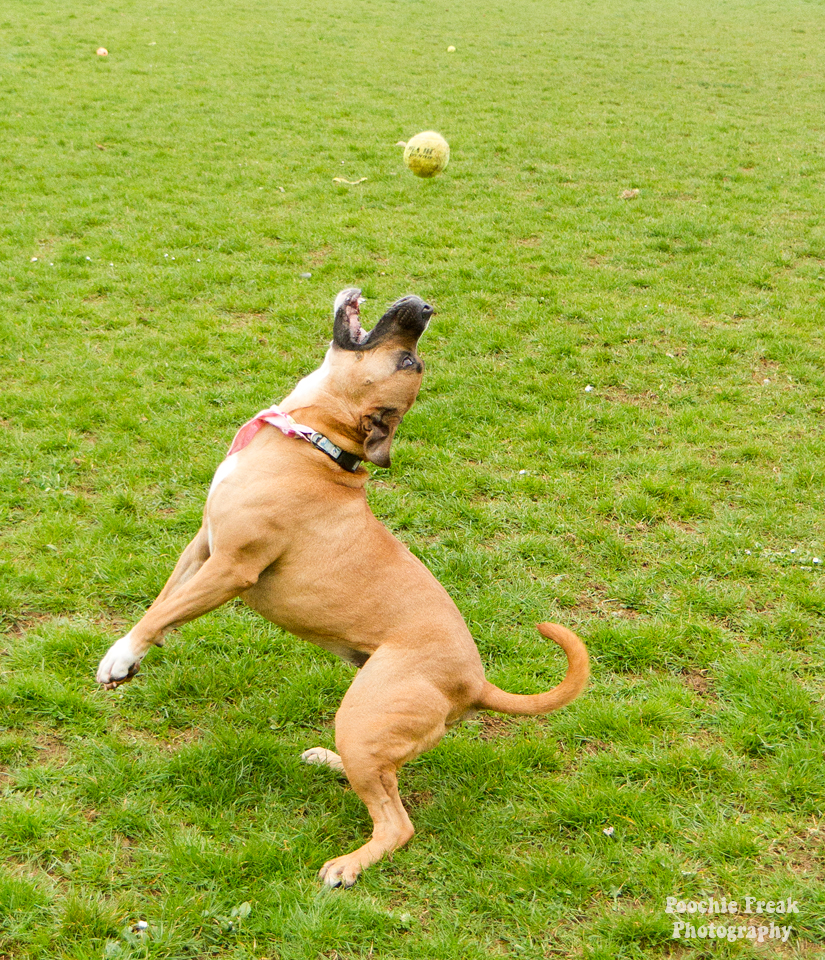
x=384, y=721
x=218, y=579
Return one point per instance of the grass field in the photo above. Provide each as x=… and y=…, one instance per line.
x=620, y=429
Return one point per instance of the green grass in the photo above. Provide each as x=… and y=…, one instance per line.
x=620, y=429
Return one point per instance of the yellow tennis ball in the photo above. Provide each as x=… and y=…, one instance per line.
x=427, y=154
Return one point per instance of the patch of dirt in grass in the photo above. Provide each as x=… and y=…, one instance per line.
x=171, y=743
x=644, y=400
x=52, y=749
x=793, y=950
x=699, y=682
x=767, y=370
x=378, y=482
x=803, y=851
x=317, y=258
x=239, y=321
x=613, y=608
x=32, y=873
x=418, y=798
x=500, y=948
x=604, y=607
x=48, y=748
x=682, y=527
x=494, y=726
x=795, y=947
x=19, y=626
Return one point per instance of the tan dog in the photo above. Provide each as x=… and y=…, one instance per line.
x=287, y=528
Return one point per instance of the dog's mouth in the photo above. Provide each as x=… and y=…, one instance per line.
x=407, y=317
x=348, y=305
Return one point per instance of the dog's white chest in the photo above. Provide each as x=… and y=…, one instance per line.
x=223, y=471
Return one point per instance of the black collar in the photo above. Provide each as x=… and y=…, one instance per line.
x=346, y=460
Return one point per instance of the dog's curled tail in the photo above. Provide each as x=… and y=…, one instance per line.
x=575, y=680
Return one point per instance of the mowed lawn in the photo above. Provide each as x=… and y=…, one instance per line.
x=620, y=429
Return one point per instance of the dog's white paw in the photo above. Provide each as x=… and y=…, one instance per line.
x=324, y=758
x=120, y=664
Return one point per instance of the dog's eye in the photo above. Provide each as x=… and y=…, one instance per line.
x=408, y=361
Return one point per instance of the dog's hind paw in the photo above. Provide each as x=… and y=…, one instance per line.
x=323, y=758
x=340, y=872
x=119, y=665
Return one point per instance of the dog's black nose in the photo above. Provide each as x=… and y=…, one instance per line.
x=412, y=313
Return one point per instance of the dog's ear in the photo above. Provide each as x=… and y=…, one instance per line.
x=380, y=433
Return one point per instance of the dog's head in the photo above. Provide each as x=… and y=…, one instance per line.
x=369, y=379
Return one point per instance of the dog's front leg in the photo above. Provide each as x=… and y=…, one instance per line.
x=219, y=579
x=191, y=560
